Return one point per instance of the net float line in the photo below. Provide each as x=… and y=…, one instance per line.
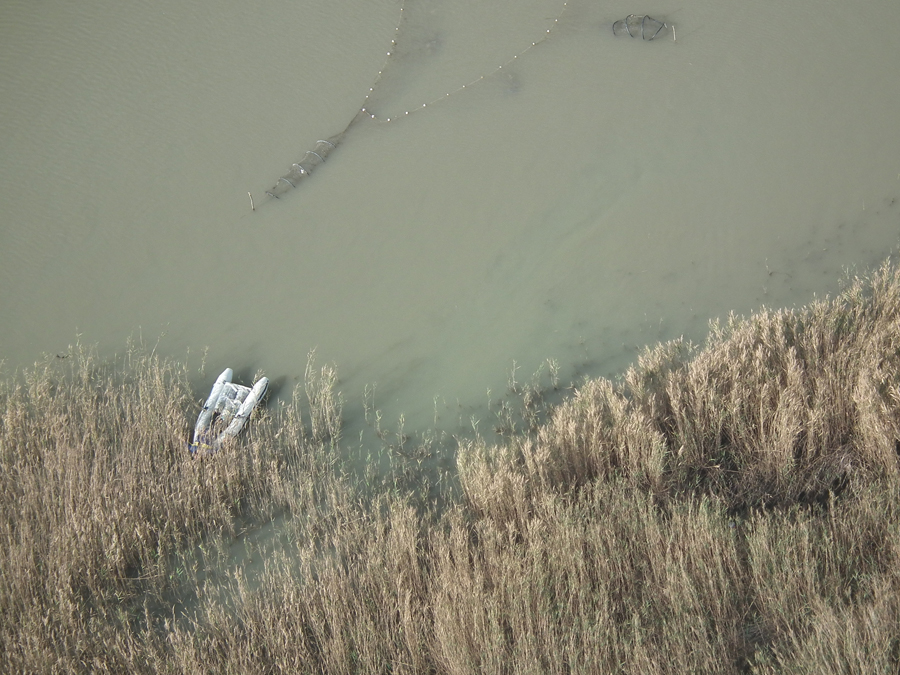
x=314, y=158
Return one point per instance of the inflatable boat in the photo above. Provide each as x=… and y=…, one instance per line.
x=229, y=405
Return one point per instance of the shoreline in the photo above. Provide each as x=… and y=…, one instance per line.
x=725, y=508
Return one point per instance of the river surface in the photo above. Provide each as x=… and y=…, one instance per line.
x=597, y=194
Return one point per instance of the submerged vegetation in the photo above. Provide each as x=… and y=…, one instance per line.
x=726, y=509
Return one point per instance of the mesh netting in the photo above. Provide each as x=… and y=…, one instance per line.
x=302, y=169
x=645, y=27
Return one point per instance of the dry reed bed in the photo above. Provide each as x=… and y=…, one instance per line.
x=727, y=509
x=102, y=505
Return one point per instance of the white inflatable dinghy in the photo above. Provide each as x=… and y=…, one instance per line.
x=233, y=403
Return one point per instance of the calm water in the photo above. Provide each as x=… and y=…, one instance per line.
x=599, y=194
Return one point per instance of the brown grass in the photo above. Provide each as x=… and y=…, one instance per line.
x=726, y=509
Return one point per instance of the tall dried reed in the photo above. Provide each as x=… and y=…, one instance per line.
x=726, y=509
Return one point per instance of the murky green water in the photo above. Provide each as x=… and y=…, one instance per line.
x=599, y=194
